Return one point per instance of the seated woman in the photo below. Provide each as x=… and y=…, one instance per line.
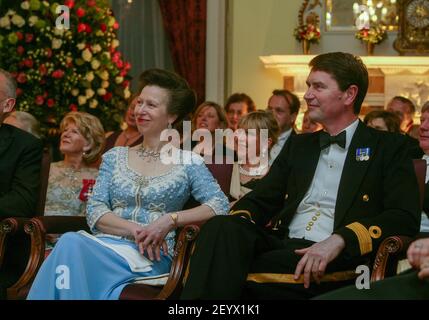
x=383, y=120
x=247, y=170
x=136, y=205
x=130, y=136
x=209, y=116
x=71, y=180
x=24, y=121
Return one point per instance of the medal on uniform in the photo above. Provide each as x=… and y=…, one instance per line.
x=363, y=154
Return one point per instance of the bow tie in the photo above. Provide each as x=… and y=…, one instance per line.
x=326, y=140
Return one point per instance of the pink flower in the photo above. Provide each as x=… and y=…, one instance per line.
x=19, y=35
x=28, y=63
x=39, y=100
x=58, y=74
x=116, y=25
x=49, y=52
x=42, y=69
x=127, y=66
x=80, y=12
x=120, y=64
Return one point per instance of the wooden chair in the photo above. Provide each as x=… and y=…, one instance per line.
x=393, y=249
x=38, y=227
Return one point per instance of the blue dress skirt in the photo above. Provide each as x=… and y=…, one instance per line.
x=79, y=268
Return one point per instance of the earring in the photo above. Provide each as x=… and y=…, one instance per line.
x=170, y=126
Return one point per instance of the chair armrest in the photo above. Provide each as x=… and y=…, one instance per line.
x=37, y=228
x=389, y=252
x=182, y=254
x=9, y=227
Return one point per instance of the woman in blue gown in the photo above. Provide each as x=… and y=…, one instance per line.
x=136, y=205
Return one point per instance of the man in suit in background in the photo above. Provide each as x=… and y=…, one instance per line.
x=20, y=162
x=335, y=195
x=285, y=107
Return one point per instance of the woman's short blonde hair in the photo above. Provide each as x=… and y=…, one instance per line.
x=91, y=129
x=223, y=122
x=261, y=120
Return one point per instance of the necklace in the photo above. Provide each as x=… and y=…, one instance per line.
x=253, y=171
x=150, y=155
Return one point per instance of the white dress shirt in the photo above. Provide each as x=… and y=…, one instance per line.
x=275, y=150
x=314, y=218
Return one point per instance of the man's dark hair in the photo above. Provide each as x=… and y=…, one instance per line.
x=291, y=99
x=240, y=97
x=392, y=120
x=347, y=70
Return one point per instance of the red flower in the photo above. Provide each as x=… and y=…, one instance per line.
x=127, y=66
x=21, y=78
x=80, y=12
x=58, y=74
x=19, y=91
x=49, y=52
x=42, y=69
x=116, y=25
x=29, y=37
x=120, y=64
x=39, y=100
x=50, y=102
x=69, y=3
x=123, y=73
x=90, y=3
x=19, y=35
x=103, y=27
x=20, y=50
x=81, y=27
x=28, y=63
x=107, y=96
x=125, y=83
x=73, y=107
x=88, y=28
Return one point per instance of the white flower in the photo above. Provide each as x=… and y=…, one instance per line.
x=127, y=93
x=119, y=79
x=87, y=55
x=107, y=55
x=99, y=33
x=96, y=48
x=18, y=21
x=89, y=93
x=101, y=92
x=93, y=104
x=33, y=20
x=46, y=3
x=90, y=76
x=104, y=75
x=5, y=22
x=10, y=12
x=105, y=84
x=59, y=31
x=81, y=100
x=111, y=22
x=75, y=92
x=115, y=43
x=56, y=43
x=81, y=46
x=95, y=64
x=25, y=5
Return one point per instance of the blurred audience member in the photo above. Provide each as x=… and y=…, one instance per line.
x=237, y=106
x=308, y=125
x=285, y=107
x=383, y=120
x=405, y=109
x=24, y=121
x=253, y=165
x=128, y=137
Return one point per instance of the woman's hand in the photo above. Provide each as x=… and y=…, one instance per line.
x=151, y=238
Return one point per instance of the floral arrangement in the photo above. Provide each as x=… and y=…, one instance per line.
x=375, y=34
x=308, y=32
x=60, y=70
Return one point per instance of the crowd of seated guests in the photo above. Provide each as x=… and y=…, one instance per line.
x=112, y=212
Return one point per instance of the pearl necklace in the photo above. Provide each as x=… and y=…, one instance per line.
x=253, y=171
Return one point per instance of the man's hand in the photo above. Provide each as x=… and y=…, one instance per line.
x=316, y=258
x=418, y=252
